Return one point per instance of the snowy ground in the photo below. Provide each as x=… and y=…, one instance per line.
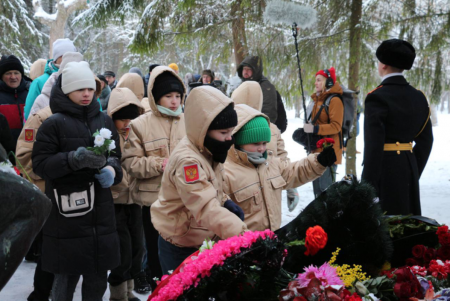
x=434, y=190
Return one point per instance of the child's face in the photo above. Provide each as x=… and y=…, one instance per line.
x=259, y=147
x=122, y=124
x=171, y=101
x=82, y=97
x=221, y=135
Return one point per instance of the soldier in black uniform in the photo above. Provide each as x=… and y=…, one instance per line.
x=397, y=132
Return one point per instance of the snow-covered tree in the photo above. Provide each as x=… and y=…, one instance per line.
x=57, y=21
x=20, y=35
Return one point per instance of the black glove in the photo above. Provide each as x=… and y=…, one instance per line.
x=230, y=205
x=83, y=158
x=327, y=157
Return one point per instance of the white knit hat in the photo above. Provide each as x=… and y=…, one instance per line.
x=69, y=57
x=76, y=76
x=61, y=46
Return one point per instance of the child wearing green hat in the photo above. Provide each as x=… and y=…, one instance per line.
x=254, y=178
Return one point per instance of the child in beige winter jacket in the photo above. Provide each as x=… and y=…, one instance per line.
x=192, y=205
x=153, y=137
x=250, y=93
x=254, y=177
x=123, y=106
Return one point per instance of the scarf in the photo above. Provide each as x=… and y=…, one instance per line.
x=256, y=158
x=169, y=112
x=218, y=149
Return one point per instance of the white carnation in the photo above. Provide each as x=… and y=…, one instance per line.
x=105, y=133
x=99, y=140
x=112, y=145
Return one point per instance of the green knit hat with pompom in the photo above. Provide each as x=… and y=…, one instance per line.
x=254, y=131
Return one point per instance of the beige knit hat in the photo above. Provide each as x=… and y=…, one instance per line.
x=76, y=76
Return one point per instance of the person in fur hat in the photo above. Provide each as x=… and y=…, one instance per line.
x=254, y=177
x=397, y=132
x=192, y=205
x=79, y=237
x=152, y=140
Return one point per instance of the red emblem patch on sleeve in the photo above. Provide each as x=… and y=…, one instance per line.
x=29, y=135
x=191, y=173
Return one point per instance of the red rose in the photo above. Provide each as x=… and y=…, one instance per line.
x=316, y=239
x=444, y=239
x=412, y=262
x=441, y=230
x=443, y=253
x=326, y=141
x=429, y=255
x=329, y=140
x=438, y=269
x=407, y=285
x=354, y=297
x=300, y=299
x=320, y=143
x=418, y=251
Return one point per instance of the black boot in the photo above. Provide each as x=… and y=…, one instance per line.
x=141, y=286
x=150, y=279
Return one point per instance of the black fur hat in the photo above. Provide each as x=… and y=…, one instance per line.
x=396, y=53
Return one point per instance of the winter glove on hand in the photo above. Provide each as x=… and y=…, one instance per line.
x=327, y=157
x=230, y=205
x=83, y=158
x=293, y=198
x=308, y=128
x=106, y=177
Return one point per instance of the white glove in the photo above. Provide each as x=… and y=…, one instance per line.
x=308, y=128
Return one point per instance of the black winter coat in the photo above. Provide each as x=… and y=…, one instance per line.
x=12, y=102
x=396, y=112
x=270, y=105
x=6, y=138
x=85, y=244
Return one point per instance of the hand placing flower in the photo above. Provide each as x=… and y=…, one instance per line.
x=103, y=142
x=326, y=143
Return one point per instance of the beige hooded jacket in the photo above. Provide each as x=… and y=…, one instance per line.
x=190, y=204
x=120, y=98
x=250, y=93
x=257, y=189
x=153, y=137
x=25, y=144
x=135, y=83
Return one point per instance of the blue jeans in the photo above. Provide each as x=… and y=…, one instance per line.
x=171, y=256
x=323, y=182
x=92, y=289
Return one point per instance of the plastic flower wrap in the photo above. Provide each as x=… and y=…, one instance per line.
x=103, y=142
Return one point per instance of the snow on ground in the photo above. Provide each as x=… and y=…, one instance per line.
x=434, y=191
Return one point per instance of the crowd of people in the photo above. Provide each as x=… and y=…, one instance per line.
x=185, y=163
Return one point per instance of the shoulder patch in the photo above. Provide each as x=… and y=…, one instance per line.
x=29, y=135
x=375, y=89
x=191, y=173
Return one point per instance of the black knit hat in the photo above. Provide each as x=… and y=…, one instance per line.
x=128, y=112
x=102, y=78
x=109, y=73
x=396, y=53
x=226, y=119
x=165, y=83
x=151, y=67
x=9, y=63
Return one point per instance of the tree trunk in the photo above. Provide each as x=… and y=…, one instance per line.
x=434, y=118
x=353, y=66
x=239, y=37
x=298, y=107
